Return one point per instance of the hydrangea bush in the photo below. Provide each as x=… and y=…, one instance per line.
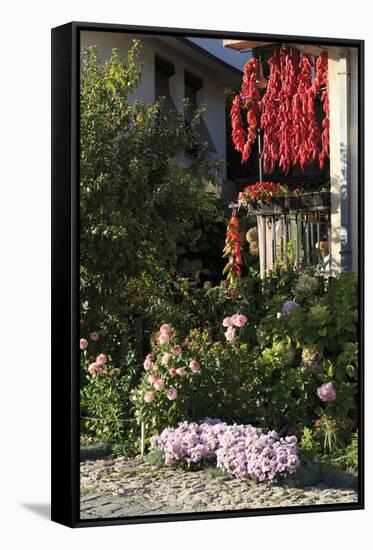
x=241, y=450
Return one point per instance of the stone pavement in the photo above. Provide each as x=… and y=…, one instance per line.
x=124, y=487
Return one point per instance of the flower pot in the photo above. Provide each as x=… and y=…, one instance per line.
x=308, y=201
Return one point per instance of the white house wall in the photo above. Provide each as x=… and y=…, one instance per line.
x=212, y=93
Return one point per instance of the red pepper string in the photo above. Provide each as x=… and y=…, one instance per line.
x=289, y=69
x=247, y=99
x=291, y=133
x=269, y=116
x=232, y=249
x=321, y=80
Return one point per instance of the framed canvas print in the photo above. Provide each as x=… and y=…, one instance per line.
x=207, y=277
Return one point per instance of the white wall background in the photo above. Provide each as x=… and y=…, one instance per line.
x=25, y=280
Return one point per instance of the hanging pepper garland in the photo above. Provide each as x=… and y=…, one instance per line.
x=247, y=99
x=289, y=63
x=321, y=81
x=232, y=249
x=269, y=120
x=307, y=130
x=291, y=133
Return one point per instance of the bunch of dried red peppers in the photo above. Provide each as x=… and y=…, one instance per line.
x=291, y=132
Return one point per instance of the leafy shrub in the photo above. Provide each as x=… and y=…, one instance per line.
x=105, y=407
x=324, y=353
x=140, y=212
x=350, y=457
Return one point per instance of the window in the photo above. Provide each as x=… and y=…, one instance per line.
x=192, y=85
x=163, y=72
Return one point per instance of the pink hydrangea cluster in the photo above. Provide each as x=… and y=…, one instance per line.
x=231, y=323
x=326, y=392
x=242, y=450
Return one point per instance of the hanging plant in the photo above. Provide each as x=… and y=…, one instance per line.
x=232, y=249
x=248, y=99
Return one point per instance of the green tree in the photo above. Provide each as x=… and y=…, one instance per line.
x=141, y=213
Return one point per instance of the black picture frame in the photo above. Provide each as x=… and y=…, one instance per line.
x=65, y=271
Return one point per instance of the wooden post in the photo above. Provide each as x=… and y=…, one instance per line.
x=142, y=441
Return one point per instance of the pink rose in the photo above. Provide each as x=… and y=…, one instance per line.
x=229, y=334
x=148, y=364
x=166, y=358
x=164, y=338
x=181, y=371
x=150, y=357
x=94, y=336
x=149, y=396
x=194, y=366
x=227, y=322
x=101, y=359
x=177, y=350
x=152, y=378
x=166, y=328
x=239, y=320
x=159, y=384
x=171, y=394
x=83, y=343
x=95, y=368
x=172, y=372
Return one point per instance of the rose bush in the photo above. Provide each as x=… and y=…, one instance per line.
x=197, y=378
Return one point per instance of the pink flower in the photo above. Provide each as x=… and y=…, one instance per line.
x=239, y=320
x=177, y=349
x=227, y=322
x=159, y=384
x=150, y=357
x=166, y=328
x=166, y=358
x=326, y=392
x=164, y=338
x=83, y=343
x=94, y=336
x=194, y=366
x=171, y=394
x=148, y=364
x=101, y=359
x=172, y=372
x=229, y=334
x=95, y=368
x=149, y=396
x=152, y=378
x=181, y=371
